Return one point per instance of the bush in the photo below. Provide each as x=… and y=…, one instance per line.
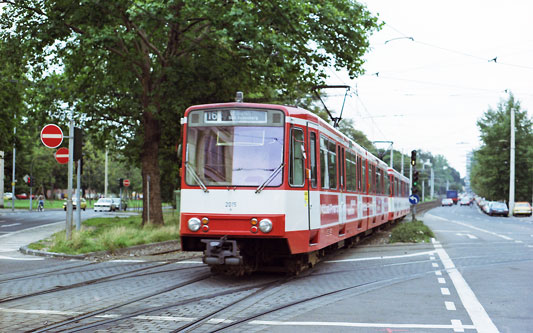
x=411, y=232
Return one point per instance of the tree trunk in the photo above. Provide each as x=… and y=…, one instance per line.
x=150, y=171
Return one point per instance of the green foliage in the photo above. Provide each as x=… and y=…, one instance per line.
x=129, y=68
x=411, y=232
x=490, y=171
x=110, y=234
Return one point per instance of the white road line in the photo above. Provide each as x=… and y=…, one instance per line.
x=435, y=265
x=450, y=306
x=456, y=325
x=383, y=257
x=453, y=326
x=475, y=310
x=9, y=225
x=442, y=280
x=432, y=258
x=472, y=227
x=438, y=273
x=445, y=291
x=20, y=259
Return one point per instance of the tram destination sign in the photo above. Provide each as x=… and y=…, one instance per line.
x=236, y=116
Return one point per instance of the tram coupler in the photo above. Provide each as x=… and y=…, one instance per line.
x=221, y=251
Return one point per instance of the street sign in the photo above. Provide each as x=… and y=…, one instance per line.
x=51, y=136
x=126, y=182
x=62, y=155
x=414, y=199
x=26, y=178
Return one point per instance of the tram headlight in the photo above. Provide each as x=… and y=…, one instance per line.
x=265, y=225
x=194, y=224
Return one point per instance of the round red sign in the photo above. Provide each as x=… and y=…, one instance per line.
x=62, y=155
x=51, y=136
x=126, y=182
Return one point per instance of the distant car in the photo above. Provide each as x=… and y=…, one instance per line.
x=522, y=208
x=24, y=196
x=117, y=201
x=447, y=202
x=104, y=205
x=8, y=195
x=83, y=204
x=465, y=201
x=497, y=208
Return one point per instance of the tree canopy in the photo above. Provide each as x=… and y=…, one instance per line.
x=490, y=169
x=129, y=68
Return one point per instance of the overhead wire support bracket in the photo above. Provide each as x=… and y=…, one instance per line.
x=335, y=120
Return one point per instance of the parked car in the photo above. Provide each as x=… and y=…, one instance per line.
x=83, y=204
x=104, y=205
x=8, y=195
x=498, y=208
x=24, y=196
x=117, y=201
x=447, y=202
x=465, y=201
x=522, y=208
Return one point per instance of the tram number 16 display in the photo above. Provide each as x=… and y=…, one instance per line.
x=236, y=116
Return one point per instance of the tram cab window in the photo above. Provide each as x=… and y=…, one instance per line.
x=297, y=158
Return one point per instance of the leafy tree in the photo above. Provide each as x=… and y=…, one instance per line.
x=130, y=67
x=490, y=170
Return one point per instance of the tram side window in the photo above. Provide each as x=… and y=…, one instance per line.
x=312, y=153
x=324, y=180
x=364, y=177
x=332, y=165
x=297, y=169
x=351, y=172
x=378, y=182
x=387, y=184
x=359, y=176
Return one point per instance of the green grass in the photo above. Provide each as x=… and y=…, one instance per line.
x=411, y=232
x=110, y=234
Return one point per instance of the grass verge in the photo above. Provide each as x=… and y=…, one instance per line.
x=110, y=234
x=411, y=232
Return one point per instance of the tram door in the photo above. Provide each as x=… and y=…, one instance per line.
x=342, y=190
x=313, y=199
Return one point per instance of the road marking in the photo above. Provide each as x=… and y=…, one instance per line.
x=475, y=310
x=472, y=227
x=445, y=291
x=27, y=259
x=432, y=258
x=383, y=257
x=450, y=306
x=467, y=235
x=518, y=241
x=435, y=265
x=442, y=280
x=9, y=225
x=32, y=228
x=456, y=325
x=438, y=273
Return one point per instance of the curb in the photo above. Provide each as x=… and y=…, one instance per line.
x=93, y=255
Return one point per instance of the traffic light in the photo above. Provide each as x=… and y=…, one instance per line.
x=78, y=143
x=30, y=181
x=121, y=182
x=415, y=182
x=413, y=157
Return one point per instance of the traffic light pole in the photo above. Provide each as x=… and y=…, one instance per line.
x=78, y=196
x=68, y=226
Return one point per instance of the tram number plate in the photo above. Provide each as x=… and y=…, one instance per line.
x=231, y=204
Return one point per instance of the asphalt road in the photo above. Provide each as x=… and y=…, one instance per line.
x=475, y=276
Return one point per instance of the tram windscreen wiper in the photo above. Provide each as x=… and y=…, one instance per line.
x=196, y=177
x=270, y=178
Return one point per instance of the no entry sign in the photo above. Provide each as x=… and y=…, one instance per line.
x=62, y=155
x=51, y=136
x=126, y=182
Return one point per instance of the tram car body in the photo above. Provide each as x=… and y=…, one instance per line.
x=263, y=184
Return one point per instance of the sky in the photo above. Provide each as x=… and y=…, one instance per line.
x=429, y=91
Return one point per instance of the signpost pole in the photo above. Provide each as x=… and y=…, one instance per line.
x=78, y=196
x=69, y=176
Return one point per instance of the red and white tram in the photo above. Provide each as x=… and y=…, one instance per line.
x=266, y=184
